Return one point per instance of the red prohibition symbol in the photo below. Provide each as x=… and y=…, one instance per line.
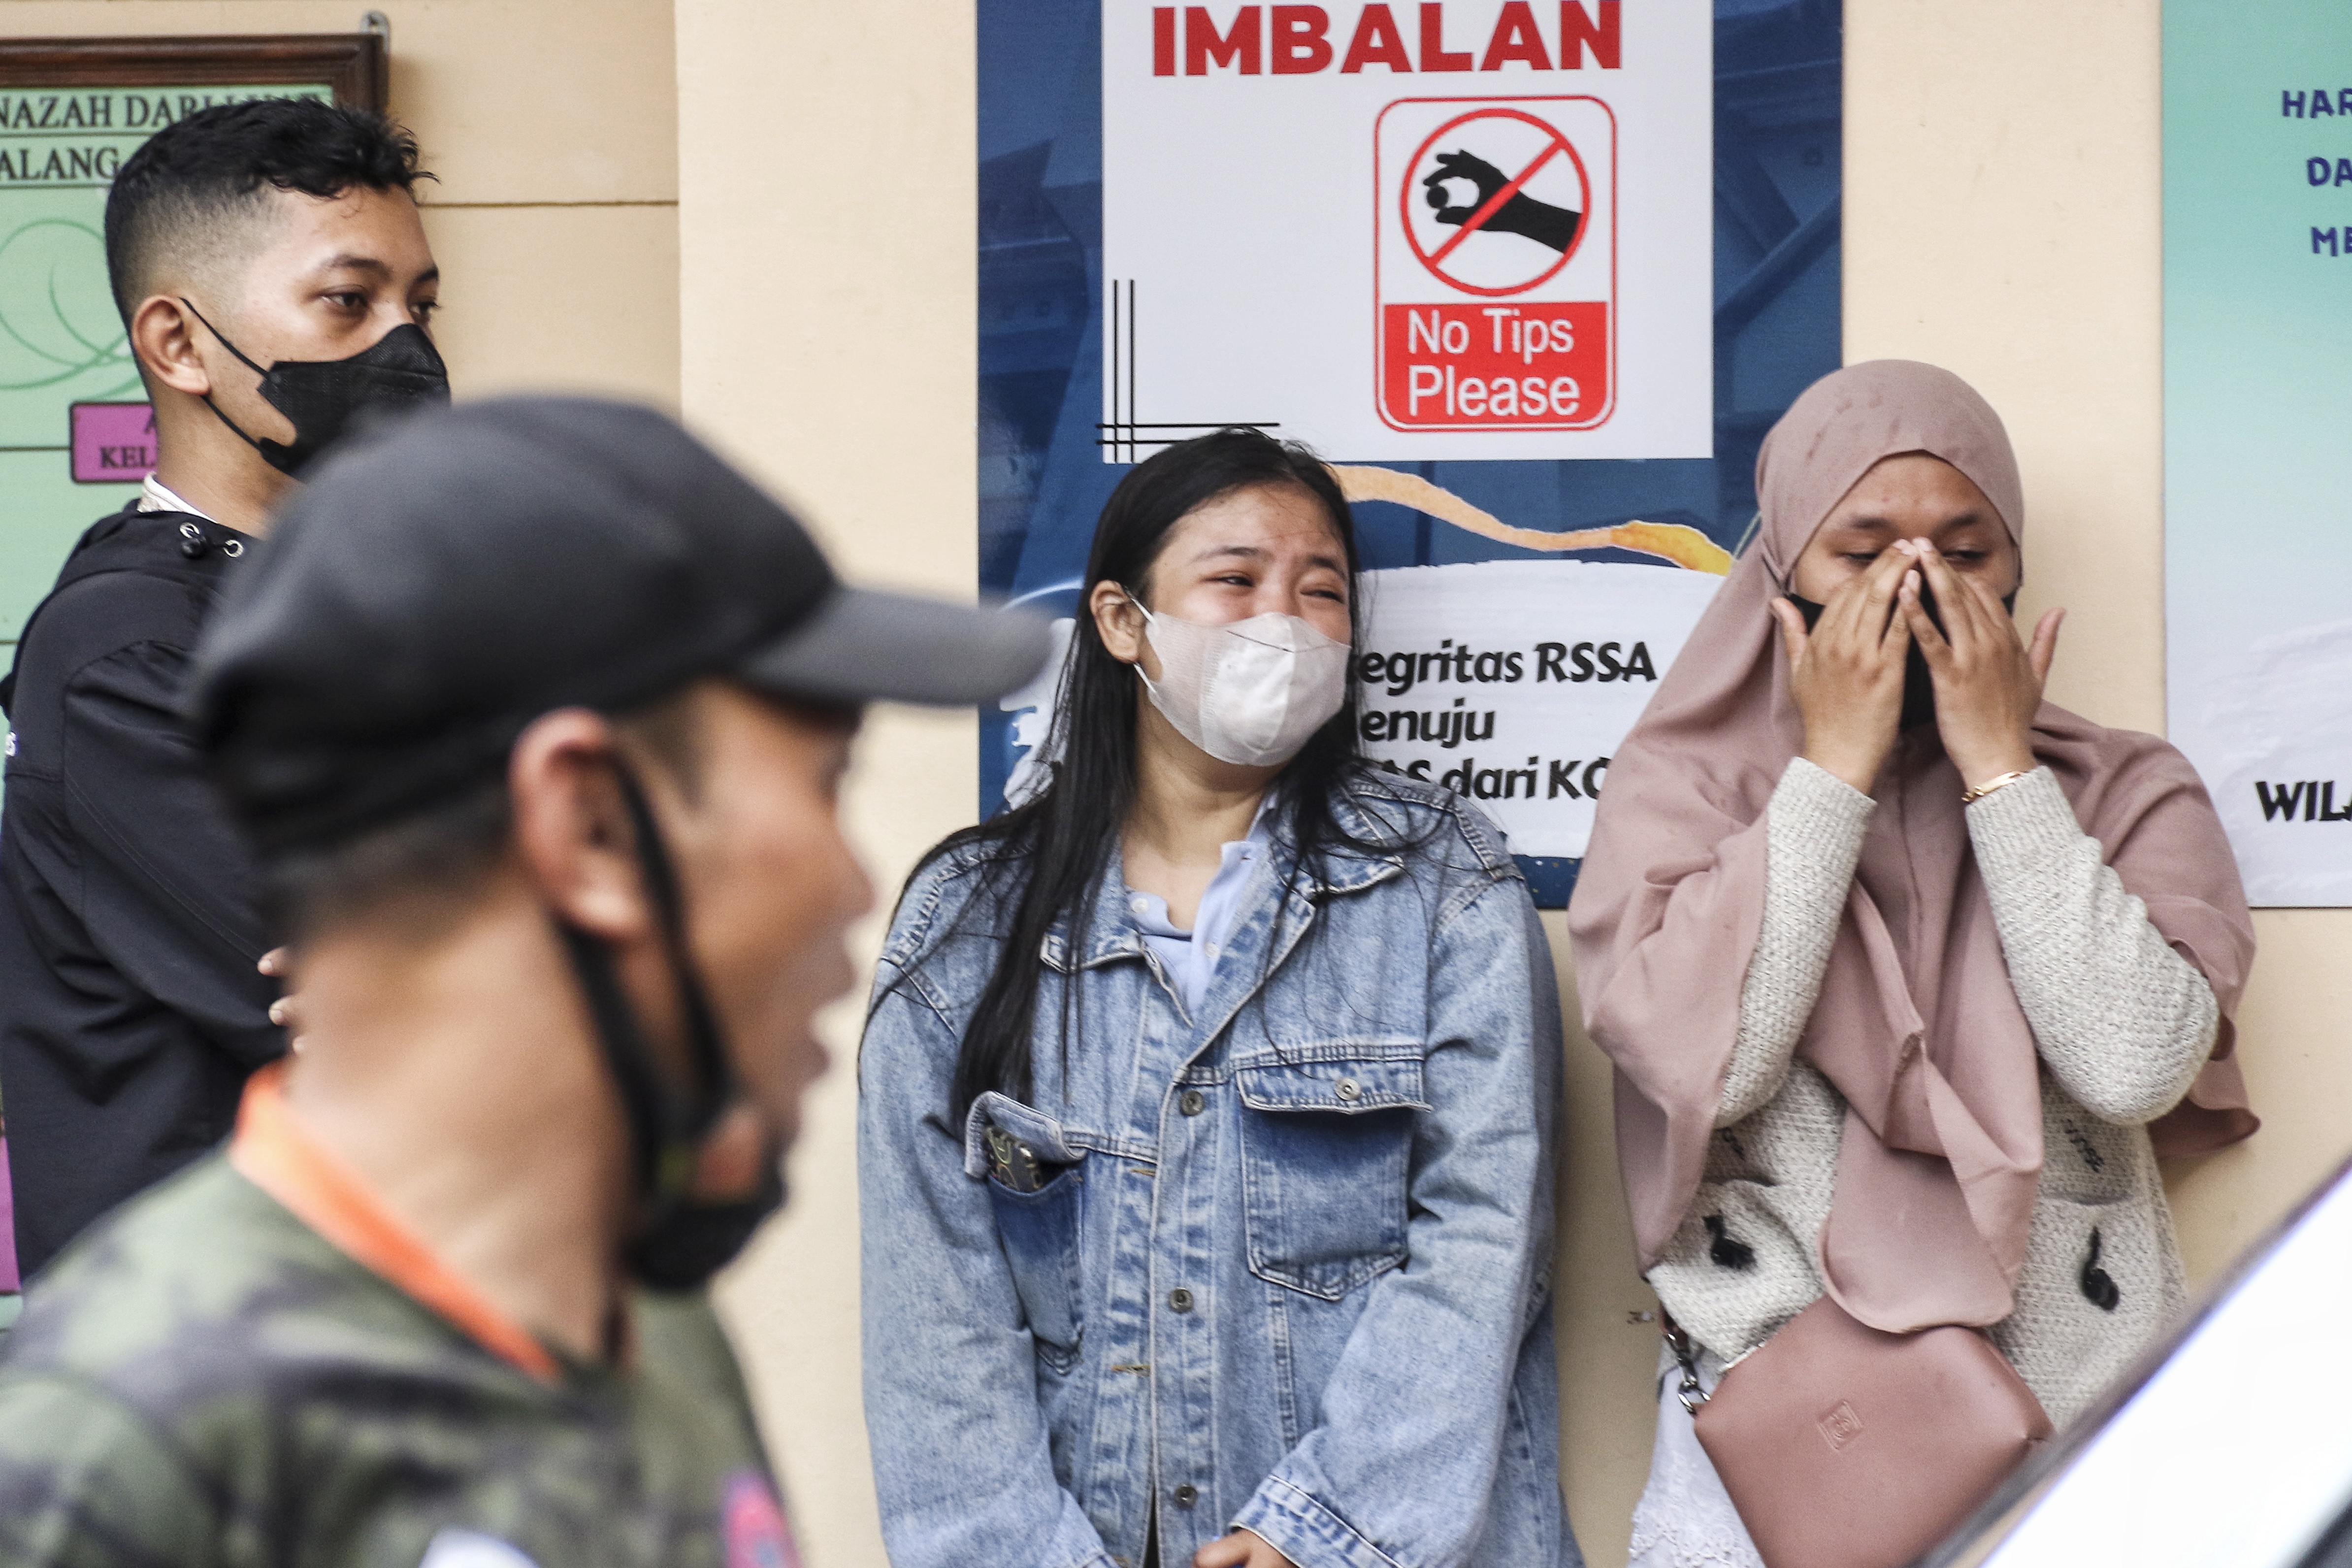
x=1555, y=144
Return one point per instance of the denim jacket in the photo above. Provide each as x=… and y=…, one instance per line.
x=1295, y=1271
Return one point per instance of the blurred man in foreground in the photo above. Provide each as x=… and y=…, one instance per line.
x=536, y=715
x=279, y=232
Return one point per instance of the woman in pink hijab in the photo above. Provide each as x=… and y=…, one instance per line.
x=1909, y=976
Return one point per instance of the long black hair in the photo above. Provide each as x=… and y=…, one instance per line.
x=1057, y=845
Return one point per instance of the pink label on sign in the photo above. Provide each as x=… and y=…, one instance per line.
x=113, y=442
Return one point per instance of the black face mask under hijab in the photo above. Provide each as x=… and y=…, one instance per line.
x=682, y=1240
x=1918, y=681
x=401, y=369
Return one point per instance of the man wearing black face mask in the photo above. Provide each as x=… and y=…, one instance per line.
x=536, y=719
x=275, y=282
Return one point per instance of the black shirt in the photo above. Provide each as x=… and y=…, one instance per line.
x=131, y=1012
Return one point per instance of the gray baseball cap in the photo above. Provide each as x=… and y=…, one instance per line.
x=438, y=586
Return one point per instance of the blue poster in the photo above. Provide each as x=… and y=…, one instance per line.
x=1535, y=279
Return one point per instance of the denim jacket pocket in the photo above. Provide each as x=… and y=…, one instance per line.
x=1326, y=1149
x=1040, y=1230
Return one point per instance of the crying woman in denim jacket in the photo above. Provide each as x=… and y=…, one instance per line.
x=1207, y=1103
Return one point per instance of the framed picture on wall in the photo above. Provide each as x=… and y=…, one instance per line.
x=76, y=435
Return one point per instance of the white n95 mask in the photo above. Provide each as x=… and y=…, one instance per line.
x=1250, y=692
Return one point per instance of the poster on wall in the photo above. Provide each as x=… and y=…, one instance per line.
x=1534, y=277
x=2258, y=467
x=76, y=434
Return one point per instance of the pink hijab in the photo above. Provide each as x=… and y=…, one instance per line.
x=1917, y=1024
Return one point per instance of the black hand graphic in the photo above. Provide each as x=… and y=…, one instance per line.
x=1521, y=215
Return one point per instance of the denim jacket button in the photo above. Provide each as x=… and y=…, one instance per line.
x=1348, y=1089
x=1187, y=1495
x=1179, y=1300
x=1191, y=1102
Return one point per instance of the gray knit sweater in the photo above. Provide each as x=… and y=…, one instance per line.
x=2123, y=1023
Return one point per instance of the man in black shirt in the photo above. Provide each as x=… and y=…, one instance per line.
x=274, y=280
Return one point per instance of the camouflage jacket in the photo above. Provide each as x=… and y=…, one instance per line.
x=205, y=1381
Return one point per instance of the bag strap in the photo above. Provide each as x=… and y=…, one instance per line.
x=1688, y=1390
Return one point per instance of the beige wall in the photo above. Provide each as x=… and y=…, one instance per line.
x=553, y=127
x=824, y=225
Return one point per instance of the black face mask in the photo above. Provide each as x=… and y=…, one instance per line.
x=400, y=370
x=689, y=1240
x=1918, y=682
x=680, y=1240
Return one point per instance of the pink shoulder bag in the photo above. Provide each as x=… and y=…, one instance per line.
x=1844, y=1447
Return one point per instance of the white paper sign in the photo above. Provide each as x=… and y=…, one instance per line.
x=2270, y=736
x=1514, y=681
x=1467, y=229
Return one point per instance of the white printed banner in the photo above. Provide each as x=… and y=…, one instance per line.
x=1467, y=229
x=1512, y=682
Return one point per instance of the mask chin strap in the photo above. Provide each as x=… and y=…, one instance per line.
x=1149, y=684
x=666, y=1129
x=233, y=425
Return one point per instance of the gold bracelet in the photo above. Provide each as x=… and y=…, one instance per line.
x=1971, y=798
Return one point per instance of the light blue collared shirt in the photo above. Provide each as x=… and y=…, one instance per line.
x=1190, y=957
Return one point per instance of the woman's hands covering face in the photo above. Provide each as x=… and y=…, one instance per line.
x=1847, y=674
x=1988, y=681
